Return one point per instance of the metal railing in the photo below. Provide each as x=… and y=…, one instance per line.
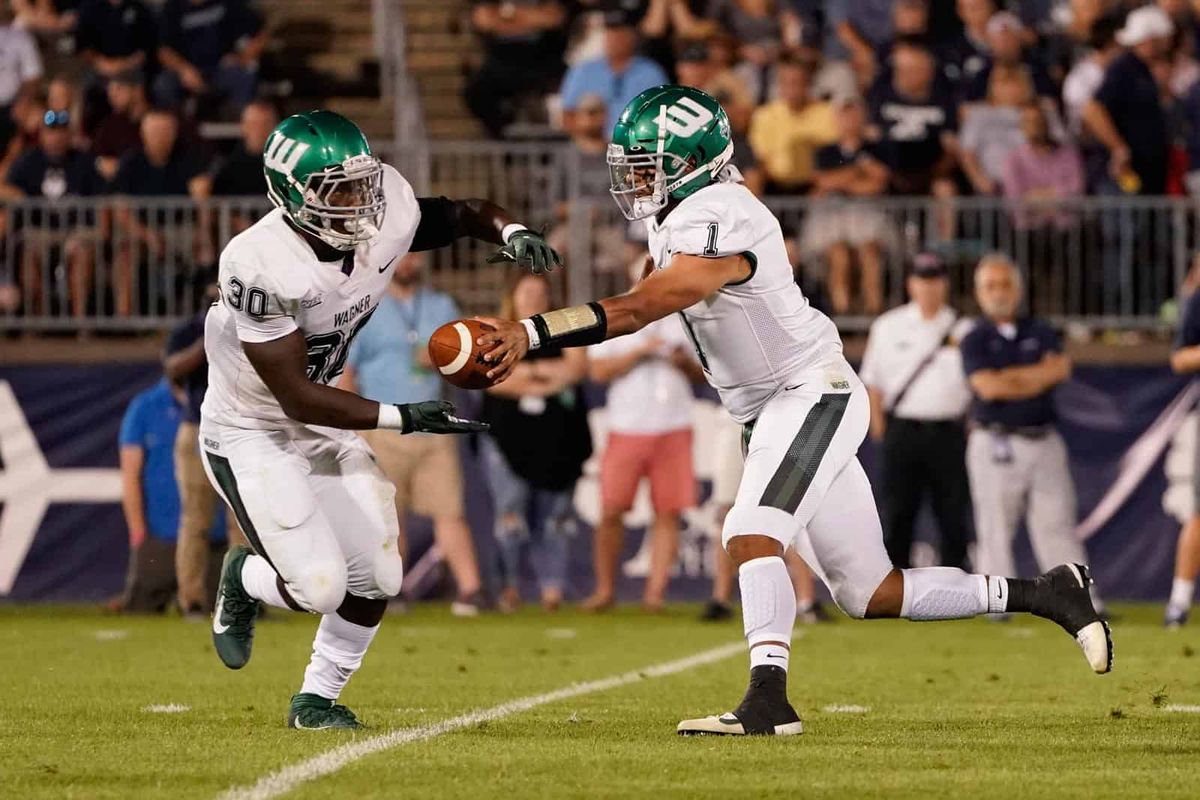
x=1095, y=261
x=136, y=264
x=112, y=263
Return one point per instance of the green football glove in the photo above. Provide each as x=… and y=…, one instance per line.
x=436, y=416
x=528, y=249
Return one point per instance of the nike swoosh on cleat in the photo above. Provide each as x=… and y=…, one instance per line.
x=218, y=626
x=385, y=266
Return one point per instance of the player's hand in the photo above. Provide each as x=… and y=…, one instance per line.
x=528, y=249
x=503, y=347
x=437, y=416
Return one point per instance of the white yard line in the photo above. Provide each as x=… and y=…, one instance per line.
x=846, y=709
x=288, y=778
x=169, y=708
x=1182, y=709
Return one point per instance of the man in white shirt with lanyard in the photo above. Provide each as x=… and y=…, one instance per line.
x=649, y=376
x=919, y=397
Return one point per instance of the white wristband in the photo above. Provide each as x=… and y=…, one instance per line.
x=535, y=341
x=510, y=229
x=390, y=417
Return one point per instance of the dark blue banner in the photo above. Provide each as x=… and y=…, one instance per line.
x=62, y=535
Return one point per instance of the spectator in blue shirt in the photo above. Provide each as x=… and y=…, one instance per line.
x=389, y=362
x=618, y=76
x=150, y=499
x=1016, y=460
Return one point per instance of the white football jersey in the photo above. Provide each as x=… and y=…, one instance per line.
x=753, y=337
x=272, y=284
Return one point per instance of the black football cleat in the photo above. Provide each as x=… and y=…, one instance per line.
x=716, y=611
x=1061, y=595
x=764, y=711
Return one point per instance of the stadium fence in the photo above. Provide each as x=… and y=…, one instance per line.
x=1103, y=262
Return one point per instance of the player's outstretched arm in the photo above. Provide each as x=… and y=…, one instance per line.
x=283, y=366
x=686, y=281
x=444, y=220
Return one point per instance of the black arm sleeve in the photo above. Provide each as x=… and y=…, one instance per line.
x=438, y=226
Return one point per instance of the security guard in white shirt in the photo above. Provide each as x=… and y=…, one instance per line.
x=919, y=397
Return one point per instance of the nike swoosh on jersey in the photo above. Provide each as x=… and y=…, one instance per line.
x=218, y=627
x=385, y=266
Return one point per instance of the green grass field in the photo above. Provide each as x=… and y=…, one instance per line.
x=968, y=709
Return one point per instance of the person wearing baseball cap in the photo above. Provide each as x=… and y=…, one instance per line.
x=1127, y=117
x=1126, y=113
x=919, y=398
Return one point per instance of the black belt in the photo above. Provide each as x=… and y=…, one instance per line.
x=1023, y=431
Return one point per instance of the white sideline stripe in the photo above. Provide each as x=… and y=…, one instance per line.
x=109, y=635
x=288, y=778
x=1182, y=709
x=169, y=708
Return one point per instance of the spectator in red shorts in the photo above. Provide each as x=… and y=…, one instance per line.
x=650, y=436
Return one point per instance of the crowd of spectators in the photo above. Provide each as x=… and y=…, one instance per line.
x=1033, y=101
x=120, y=115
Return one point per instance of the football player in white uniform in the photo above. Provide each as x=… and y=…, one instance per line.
x=777, y=363
x=277, y=437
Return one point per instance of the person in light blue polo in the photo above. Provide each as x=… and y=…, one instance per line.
x=618, y=76
x=389, y=362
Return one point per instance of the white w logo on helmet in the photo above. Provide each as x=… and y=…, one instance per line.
x=687, y=117
x=283, y=154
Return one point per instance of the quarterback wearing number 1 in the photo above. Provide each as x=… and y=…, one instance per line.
x=720, y=262
x=276, y=437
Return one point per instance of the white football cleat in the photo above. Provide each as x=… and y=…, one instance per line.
x=729, y=725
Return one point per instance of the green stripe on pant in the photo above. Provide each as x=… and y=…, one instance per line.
x=788, y=485
x=228, y=484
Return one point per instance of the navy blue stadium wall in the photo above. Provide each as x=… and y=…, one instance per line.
x=62, y=536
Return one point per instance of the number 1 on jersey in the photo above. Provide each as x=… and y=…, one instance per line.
x=710, y=249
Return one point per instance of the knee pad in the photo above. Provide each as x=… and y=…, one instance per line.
x=853, y=595
x=389, y=572
x=746, y=520
x=322, y=588
x=851, y=599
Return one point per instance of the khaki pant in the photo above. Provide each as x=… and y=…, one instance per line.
x=198, y=503
x=425, y=470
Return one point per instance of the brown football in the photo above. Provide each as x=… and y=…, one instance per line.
x=454, y=353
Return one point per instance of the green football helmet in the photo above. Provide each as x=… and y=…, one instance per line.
x=670, y=142
x=321, y=172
